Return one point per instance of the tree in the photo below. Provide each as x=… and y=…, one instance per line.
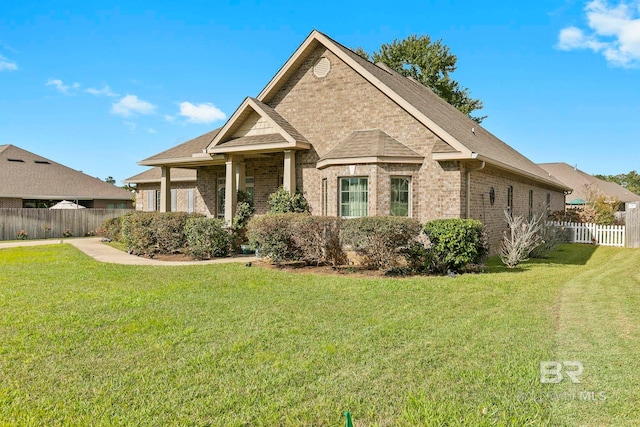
x=429, y=63
x=630, y=181
x=110, y=180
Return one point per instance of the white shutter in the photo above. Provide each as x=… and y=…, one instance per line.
x=190, y=200
x=174, y=200
x=151, y=200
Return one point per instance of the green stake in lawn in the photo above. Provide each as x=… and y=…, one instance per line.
x=349, y=422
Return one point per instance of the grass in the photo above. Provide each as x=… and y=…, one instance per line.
x=85, y=343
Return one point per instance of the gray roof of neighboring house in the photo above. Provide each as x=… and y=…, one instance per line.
x=26, y=175
x=370, y=143
x=186, y=149
x=585, y=185
x=153, y=175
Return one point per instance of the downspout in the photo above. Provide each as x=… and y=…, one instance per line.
x=468, y=185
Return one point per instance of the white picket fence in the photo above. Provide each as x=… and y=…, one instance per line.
x=605, y=235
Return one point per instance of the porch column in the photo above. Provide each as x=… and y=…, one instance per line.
x=290, y=171
x=241, y=180
x=230, y=190
x=165, y=189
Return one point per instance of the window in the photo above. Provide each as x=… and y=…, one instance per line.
x=354, y=197
x=325, y=197
x=400, y=196
x=548, y=202
x=249, y=185
x=221, y=196
x=530, y=204
x=157, y=205
x=510, y=199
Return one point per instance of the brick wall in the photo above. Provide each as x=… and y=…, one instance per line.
x=10, y=203
x=493, y=215
x=326, y=110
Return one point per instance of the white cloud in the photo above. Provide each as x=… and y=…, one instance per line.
x=614, y=32
x=7, y=65
x=105, y=91
x=199, y=113
x=59, y=85
x=130, y=105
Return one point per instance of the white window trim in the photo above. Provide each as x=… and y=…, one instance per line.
x=409, y=191
x=340, y=195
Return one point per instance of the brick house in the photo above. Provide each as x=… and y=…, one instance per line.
x=358, y=139
x=28, y=180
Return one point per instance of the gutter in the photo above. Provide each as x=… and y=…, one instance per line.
x=468, y=187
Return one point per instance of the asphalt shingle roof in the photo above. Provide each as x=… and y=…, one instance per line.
x=27, y=175
x=370, y=143
x=153, y=175
x=584, y=185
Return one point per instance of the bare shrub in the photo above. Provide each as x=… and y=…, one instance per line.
x=520, y=238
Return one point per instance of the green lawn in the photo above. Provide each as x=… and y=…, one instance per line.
x=85, y=343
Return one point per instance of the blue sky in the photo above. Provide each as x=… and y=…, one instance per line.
x=100, y=85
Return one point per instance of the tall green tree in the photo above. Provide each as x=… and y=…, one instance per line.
x=630, y=181
x=429, y=63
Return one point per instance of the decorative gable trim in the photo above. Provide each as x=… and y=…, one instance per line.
x=275, y=133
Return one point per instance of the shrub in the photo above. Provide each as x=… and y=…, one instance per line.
x=282, y=201
x=112, y=229
x=453, y=244
x=520, y=239
x=318, y=239
x=206, y=237
x=169, y=231
x=137, y=232
x=378, y=239
x=148, y=233
x=273, y=237
x=551, y=237
x=22, y=235
x=67, y=233
x=244, y=212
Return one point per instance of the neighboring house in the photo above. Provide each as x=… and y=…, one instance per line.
x=31, y=181
x=586, y=187
x=183, y=190
x=358, y=139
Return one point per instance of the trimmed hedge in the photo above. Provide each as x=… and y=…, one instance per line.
x=318, y=239
x=454, y=244
x=206, y=237
x=298, y=237
x=379, y=239
x=149, y=233
x=111, y=229
x=272, y=235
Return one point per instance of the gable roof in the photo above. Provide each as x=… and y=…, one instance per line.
x=151, y=176
x=278, y=133
x=463, y=137
x=189, y=151
x=369, y=146
x=26, y=175
x=584, y=185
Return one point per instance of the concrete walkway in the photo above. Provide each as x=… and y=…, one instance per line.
x=93, y=247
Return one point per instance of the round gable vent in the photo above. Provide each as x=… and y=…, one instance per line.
x=322, y=67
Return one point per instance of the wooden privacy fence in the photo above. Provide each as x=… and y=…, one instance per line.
x=605, y=235
x=632, y=220
x=53, y=223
